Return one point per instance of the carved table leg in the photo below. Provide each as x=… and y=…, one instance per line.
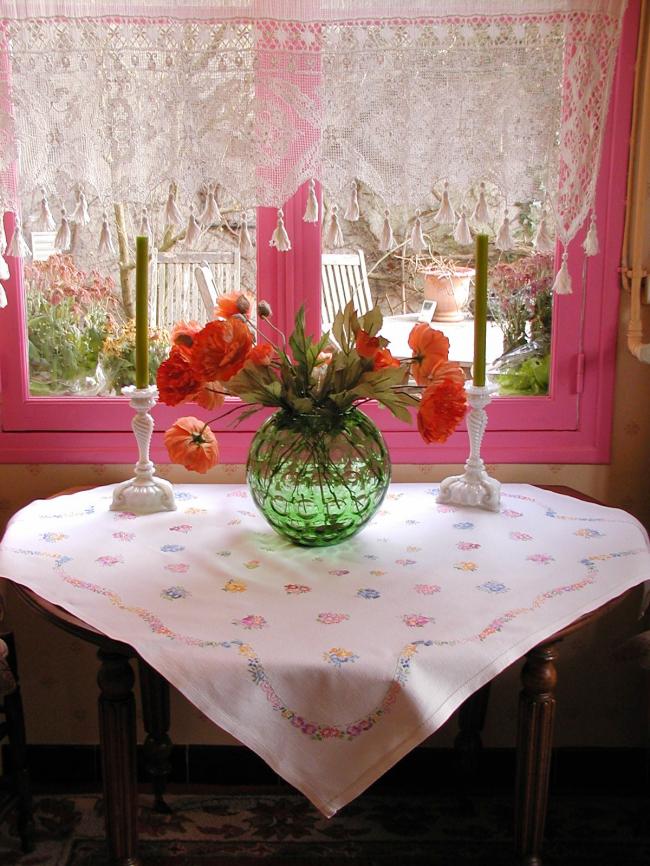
x=157, y=746
x=468, y=743
x=118, y=748
x=534, y=746
x=15, y=726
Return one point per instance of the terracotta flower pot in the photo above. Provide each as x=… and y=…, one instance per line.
x=449, y=289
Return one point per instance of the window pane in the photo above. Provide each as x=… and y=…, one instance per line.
x=80, y=304
x=437, y=286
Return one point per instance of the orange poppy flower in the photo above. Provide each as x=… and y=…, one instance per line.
x=232, y=304
x=383, y=358
x=210, y=396
x=441, y=410
x=261, y=355
x=366, y=345
x=221, y=348
x=429, y=346
x=176, y=380
x=192, y=444
x=183, y=334
x=446, y=370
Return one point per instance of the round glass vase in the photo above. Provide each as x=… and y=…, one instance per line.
x=317, y=479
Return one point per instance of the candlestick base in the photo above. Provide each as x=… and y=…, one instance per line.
x=144, y=493
x=474, y=487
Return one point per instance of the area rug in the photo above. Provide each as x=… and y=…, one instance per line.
x=285, y=830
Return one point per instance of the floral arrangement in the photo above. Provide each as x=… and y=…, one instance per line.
x=320, y=379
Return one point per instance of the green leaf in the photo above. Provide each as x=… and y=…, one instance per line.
x=372, y=321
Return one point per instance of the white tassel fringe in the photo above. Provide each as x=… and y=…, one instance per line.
x=44, y=222
x=193, y=231
x=590, y=245
x=211, y=214
x=3, y=236
x=173, y=217
x=3, y=298
x=105, y=240
x=352, y=210
x=562, y=284
x=19, y=246
x=311, y=208
x=280, y=238
x=462, y=234
x=4, y=275
x=63, y=239
x=386, y=241
x=145, y=225
x=504, y=238
x=80, y=213
x=445, y=212
x=334, y=233
x=481, y=213
x=418, y=243
x=544, y=242
x=245, y=243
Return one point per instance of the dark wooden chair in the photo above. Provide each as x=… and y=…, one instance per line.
x=12, y=729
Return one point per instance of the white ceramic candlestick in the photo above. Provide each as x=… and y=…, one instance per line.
x=143, y=494
x=474, y=486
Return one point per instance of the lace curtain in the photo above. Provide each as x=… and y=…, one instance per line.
x=169, y=108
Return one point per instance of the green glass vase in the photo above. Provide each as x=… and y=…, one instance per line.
x=317, y=479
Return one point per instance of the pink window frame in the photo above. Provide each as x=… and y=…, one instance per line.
x=571, y=425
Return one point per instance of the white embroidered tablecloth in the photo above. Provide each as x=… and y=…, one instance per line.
x=330, y=663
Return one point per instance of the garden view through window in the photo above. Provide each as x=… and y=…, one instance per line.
x=80, y=305
x=404, y=283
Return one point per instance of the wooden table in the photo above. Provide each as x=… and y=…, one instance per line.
x=117, y=729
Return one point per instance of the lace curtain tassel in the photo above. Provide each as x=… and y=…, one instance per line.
x=386, y=241
x=445, y=213
x=311, y=209
x=63, y=239
x=211, y=214
x=280, y=238
x=4, y=275
x=334, y=233
x=44, y=222
x=543, y=241
x=462, y=234
x=590, y=245
x=352, y=210
x=173, y=217
x=19, y=246
x=481, y=213
x=105, y=240
x=3, y=236
x=503, y=241
x=562, y=284
x=193, y=231
x=418, y=243
x=245, y=242
x=80, y=213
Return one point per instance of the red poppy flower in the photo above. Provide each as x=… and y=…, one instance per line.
x=221, y=348
x=441, y=410
x=366, y=345
x=177, y=382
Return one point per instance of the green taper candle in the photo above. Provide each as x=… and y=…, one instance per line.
x=480, y=309
x=141, y=312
